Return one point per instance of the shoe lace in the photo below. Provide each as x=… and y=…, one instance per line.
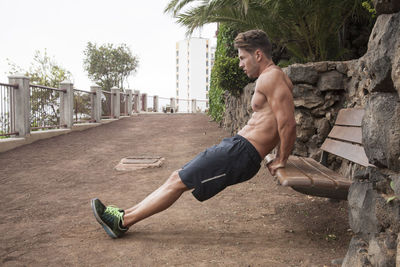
x=113, y=211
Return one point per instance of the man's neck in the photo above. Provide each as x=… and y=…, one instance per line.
x=265, y=66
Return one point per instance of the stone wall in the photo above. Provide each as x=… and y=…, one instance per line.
x=374, y=195
x=371, y=82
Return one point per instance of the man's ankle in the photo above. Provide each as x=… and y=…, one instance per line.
x=123, y=224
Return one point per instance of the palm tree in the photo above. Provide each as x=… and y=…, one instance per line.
x=309, y=29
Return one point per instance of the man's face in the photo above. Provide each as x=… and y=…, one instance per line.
x=248, y=62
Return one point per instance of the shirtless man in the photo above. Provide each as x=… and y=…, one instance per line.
x=235, y=159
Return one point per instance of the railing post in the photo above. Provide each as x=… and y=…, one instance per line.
x=155, y=103
x=194, y=106
x=67, y=104
x=129, y=101
x=115, y=102
x=173, y=104
x=95, y=99
x=144, y=102
x=136, y=102
x=22, y=104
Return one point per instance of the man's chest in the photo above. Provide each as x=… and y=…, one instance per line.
x=258, y=101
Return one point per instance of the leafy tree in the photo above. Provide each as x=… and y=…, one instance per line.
x=45, y=71
x=109, y=65
x=309, y=29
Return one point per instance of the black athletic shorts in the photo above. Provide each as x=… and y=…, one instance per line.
x=233, y=161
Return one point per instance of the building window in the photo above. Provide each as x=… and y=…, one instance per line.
x=207, y=55
x=206, y=79
x=177, y=53
x=207, y=88
x=177, y=61
x=177, y=77
x=207, y=63
x=207, y=71
x=177, y=69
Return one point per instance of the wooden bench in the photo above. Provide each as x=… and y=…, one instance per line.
x=310, y=177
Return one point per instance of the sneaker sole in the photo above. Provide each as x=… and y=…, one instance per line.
x=100, y=221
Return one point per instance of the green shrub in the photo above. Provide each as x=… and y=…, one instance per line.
x=217, y=103
x=226, y=74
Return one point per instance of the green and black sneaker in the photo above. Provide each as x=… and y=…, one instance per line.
x=110, y=217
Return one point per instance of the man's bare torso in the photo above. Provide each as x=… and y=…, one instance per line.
x=262, y=129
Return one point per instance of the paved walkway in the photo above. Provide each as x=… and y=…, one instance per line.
x=46, y=220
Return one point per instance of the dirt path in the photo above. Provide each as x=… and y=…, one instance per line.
x=46, y=220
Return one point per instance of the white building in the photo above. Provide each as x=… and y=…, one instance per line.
x=194, y=60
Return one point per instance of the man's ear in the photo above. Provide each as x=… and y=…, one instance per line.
x=258, y=55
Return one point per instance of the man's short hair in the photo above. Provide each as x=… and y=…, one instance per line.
x=253, y=40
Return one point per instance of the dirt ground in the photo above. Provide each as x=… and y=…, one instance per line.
x=46, y=219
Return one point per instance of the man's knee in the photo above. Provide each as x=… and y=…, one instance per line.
x=175, y=182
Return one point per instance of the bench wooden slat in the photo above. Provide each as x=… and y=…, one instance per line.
x=290, y=176
x=341, y=182
x=308, y=176
x=317, y=179
x=352, y=134
x=308, y=172
x=348, y=151
x=350, y=117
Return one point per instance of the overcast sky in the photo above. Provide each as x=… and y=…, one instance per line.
x=64, y=28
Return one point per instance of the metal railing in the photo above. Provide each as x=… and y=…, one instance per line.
x=105, y=104
x=45, y=107
x=143, y=102
x=7, y=110
x=123, y=104
x=164, y=104
x=51, y=107
x=191, y=105
x=183, y=105
x=150, y=103
x=82, y=106
x=202, y=105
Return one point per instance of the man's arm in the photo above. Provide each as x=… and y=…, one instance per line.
x=279, y=97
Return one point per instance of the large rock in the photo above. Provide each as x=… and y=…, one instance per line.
x=379, y=251
x=304, y=125
x=299, y=73
x=332, y=80
x=362, y=214
x=396, y=68
x=382, y=249
x=374, y=220
x=381, y=130
x=323, y=128
x=330, y=100
x=305, y=96
x=374, y=69
x=357, y=254
x=386, y=7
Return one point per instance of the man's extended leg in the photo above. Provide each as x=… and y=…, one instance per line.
x=116, y=221
x=159, y=200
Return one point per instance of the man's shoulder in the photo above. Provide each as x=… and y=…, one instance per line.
x=272, y=79
x=272, y=72
x=270, y=76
